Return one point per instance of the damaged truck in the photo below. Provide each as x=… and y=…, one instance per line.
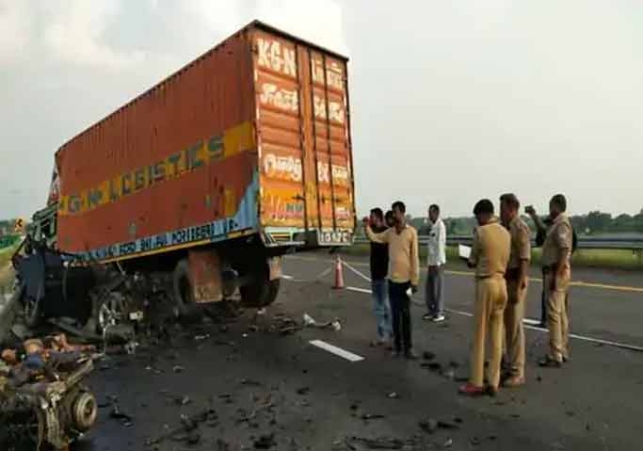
x=209, y=177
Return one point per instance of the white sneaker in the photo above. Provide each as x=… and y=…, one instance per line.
x=438, y=319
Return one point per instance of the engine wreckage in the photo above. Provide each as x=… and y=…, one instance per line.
x=43, y=402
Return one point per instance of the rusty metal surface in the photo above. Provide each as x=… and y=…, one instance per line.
x=205, y=276
x=181, y=155
x=255, y=133
x=304, y=135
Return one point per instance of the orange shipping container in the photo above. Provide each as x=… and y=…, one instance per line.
x=251, y=139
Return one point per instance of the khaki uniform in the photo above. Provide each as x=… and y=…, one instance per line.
x=490, y=254
x=515, y=311
x=557, y=246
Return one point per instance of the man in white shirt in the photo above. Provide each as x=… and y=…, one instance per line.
x=436, y=259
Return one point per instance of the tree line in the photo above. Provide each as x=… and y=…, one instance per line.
x=592, y=223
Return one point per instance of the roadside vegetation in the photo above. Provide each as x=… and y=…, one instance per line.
x=6, y=271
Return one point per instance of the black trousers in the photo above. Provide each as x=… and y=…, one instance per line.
x=401, y=315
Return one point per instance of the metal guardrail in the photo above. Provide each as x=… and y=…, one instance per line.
x=634, y=244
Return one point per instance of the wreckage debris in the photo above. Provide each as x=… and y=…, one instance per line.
x=428, y=355
x=432, y=366
x=42, y=399
x=188, y=431
x=303, y=391
x=372, y=416
x=265, y=442
x=379, y=443
x=309, y=321
x=117, y=414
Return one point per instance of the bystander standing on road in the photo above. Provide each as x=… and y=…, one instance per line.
x=489, y=256
x=404, y=273
x=557, y=250
x=517, y=280
x=379, y=287
x=542, y=226
x=436, y=259
x=388, y=219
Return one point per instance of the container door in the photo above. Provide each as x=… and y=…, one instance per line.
x=331, y=145
x=280, y=135
x=303, y=139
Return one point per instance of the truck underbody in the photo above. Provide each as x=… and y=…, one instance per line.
x=98, y=295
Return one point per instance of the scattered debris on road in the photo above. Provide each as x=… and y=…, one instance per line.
x=42, y=398
x=266, y=441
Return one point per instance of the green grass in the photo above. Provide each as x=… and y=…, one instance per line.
x=6, y=272
x=5, y=256
x=587, y=258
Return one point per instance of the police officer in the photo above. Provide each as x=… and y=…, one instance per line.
x=517, y=279
x=489, y=256
x=557, y=250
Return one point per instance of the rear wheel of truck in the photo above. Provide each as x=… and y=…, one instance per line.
x=32, y=311
x=259, y=291
x=184, y=304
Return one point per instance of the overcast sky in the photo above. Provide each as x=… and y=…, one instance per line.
x=451, y=100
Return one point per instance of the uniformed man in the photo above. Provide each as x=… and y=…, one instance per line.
x=557, y=250
x=542, y=226
x=489, y=256
x=517, y=279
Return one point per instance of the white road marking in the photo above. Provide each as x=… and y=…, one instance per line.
x=284, y=276
x=337, y=351
x=460, y=312
x=531, y=324
x=356, y=271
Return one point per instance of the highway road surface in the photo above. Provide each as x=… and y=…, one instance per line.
x=323, y=389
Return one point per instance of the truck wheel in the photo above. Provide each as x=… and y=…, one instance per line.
x=259, y=291
x=273, y=290
x=182, y=291
x=32, y=311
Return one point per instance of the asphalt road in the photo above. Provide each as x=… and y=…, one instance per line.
x=260, y=382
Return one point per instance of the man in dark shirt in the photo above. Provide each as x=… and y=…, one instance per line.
x=379, y=271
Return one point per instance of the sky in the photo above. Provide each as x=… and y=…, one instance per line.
x=450, y=101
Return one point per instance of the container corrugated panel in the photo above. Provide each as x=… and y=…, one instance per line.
x=211, y=153
x=303, y=136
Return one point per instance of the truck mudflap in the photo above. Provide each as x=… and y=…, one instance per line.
x=205, y=276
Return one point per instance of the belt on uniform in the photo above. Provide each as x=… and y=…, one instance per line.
x=497, y=275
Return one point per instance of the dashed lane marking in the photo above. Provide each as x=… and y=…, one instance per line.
x=337, y=351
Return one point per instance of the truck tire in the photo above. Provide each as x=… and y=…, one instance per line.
x=32, y=311
x=184, y=304
x=260, y=291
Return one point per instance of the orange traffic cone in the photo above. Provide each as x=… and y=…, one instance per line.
x=339, y=274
